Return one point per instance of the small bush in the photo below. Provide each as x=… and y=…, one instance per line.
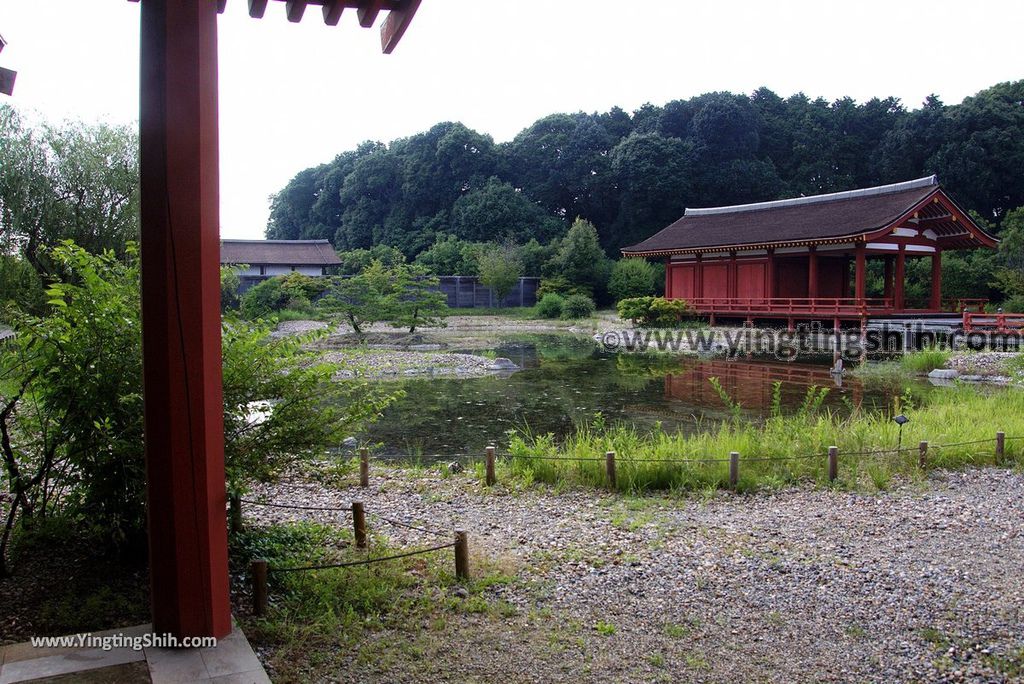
x=632, y=278
x=654, y=312
x=925, y=361
x=550, y=305
x=578, y=306
x=1014, y=304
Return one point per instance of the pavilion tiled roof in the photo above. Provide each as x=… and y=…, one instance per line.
x=802, y=220
x=282, y=252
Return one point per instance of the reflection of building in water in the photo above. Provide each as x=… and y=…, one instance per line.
x=750, y=384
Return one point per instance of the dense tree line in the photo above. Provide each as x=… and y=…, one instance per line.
x=632, y=174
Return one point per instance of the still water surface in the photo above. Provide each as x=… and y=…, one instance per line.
x=566, y=381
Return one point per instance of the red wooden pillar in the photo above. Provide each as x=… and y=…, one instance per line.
x=732, y=287
x=812, y=273
x=769, y=286
x=936, y=294
x=668, y=277
x=901, y=268
x=859, y=275
x=181, y=319
x=887, y=278
x=699, y=270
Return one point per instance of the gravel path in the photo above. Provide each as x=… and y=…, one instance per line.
x=923, y=583
x=390, y=363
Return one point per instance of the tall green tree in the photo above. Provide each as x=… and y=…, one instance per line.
x=74, y=182
x=500, y=269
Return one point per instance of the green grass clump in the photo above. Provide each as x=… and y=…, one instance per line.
x=666, y=462
x=925, y=361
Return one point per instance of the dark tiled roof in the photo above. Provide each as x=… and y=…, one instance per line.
x=282, y=252
x=820, y=217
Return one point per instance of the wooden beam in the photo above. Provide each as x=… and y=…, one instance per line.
x=7, y=78
x=395, y=25
x=332, y=11
x=368, y=11
x=295, y=10
x=257, y=8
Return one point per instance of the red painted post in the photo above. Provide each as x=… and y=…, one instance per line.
x=936, y=294
x=901, y=271
x=668, y=277
x=812, y=275
x=180, y=249
x=859, y=275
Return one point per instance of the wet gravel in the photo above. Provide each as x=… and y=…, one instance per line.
x=919, y=584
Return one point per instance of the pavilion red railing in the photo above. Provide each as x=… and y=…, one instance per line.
x=824, y=306
x=999, y=323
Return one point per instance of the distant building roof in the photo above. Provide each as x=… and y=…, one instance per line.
x=839, y=216
x=281, y=252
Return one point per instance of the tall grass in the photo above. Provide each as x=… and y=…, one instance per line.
x=925, y=360
x=664, y=461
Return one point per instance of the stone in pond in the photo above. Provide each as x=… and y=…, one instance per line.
x=350, y=443
x=502, y=364
x=943, y=373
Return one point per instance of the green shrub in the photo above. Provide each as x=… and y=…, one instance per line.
x=264, y=298
x=632, y=278
x=550, y=305
x=654, y=312
x=577, y=306
x=925, y=361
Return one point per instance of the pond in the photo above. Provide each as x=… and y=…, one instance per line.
x=567, y=381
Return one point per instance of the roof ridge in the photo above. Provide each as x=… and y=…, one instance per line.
x=814, y=199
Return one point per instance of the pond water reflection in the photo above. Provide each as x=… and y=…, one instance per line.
x=566, y=381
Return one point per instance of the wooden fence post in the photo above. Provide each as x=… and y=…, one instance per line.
x=359, y=523
x=364, y=467
x=489, y=467
x=922, y=455
x=235, y=511
x=259, y=587
x=833, y=463
x=1000, y=447
x=461, y=555
x=734, y=470
x=609, y=468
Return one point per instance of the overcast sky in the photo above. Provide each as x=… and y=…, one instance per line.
x=294, y=95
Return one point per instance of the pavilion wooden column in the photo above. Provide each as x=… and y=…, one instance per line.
x=699, y=289
x=769, y=288
x=935, y=301
x=901, y=270
x=887, y=277
x=668, y=277
x=181, y=319
x=859, y=274
x=812, y=273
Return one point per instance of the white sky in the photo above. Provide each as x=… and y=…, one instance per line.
x=295, y=95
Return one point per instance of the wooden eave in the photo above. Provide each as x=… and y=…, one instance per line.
x=400, y=14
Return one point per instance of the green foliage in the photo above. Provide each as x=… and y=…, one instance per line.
x=282, y=405
x=632, y=278
x=71, y=402
x=403, y=295
x=356, y=260
x=581, y=261
x=230, y=282
x=71, y=182
x=450, y=256
x=577, y=306
x=416, y=300
x=654, y=312
x=500, y=269
x=293, y=291
x=497, y=211
x=20, y=287
x=550, y=306
x=662, y=461
x=925, y=360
